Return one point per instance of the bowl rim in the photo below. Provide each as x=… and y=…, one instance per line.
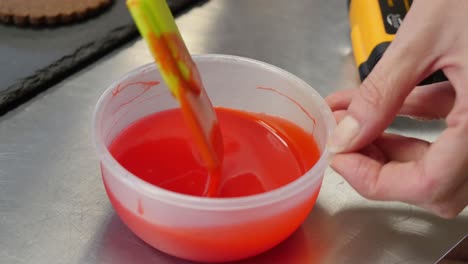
x=309, y=178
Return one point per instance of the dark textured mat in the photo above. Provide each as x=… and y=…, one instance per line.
x=33, y=59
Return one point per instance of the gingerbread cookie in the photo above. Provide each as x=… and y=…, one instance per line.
x=49, y=12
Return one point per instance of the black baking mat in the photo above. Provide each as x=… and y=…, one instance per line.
x=33, y=59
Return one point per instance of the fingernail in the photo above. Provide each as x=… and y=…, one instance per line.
x=344, y=134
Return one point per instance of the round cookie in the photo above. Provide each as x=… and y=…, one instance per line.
x=48, y=12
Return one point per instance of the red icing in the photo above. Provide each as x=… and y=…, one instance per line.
x=169, y=49
x=140, y=209
x=261, y=153
x=146, y=86
x=291, y=99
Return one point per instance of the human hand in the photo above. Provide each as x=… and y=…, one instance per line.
x=380, y=166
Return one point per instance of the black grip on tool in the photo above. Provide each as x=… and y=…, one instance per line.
x=366, y=67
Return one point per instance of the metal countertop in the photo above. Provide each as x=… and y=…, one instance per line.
x=53, y=207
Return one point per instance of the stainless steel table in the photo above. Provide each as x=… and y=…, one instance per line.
x=53, y=208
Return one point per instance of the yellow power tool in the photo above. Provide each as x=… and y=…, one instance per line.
x=374, y=24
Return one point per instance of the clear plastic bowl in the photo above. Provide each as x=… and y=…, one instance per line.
x=212, y=229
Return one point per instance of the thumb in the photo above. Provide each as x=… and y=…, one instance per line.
x=407, y=61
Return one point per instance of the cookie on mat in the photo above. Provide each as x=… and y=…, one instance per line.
x=48, y=12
